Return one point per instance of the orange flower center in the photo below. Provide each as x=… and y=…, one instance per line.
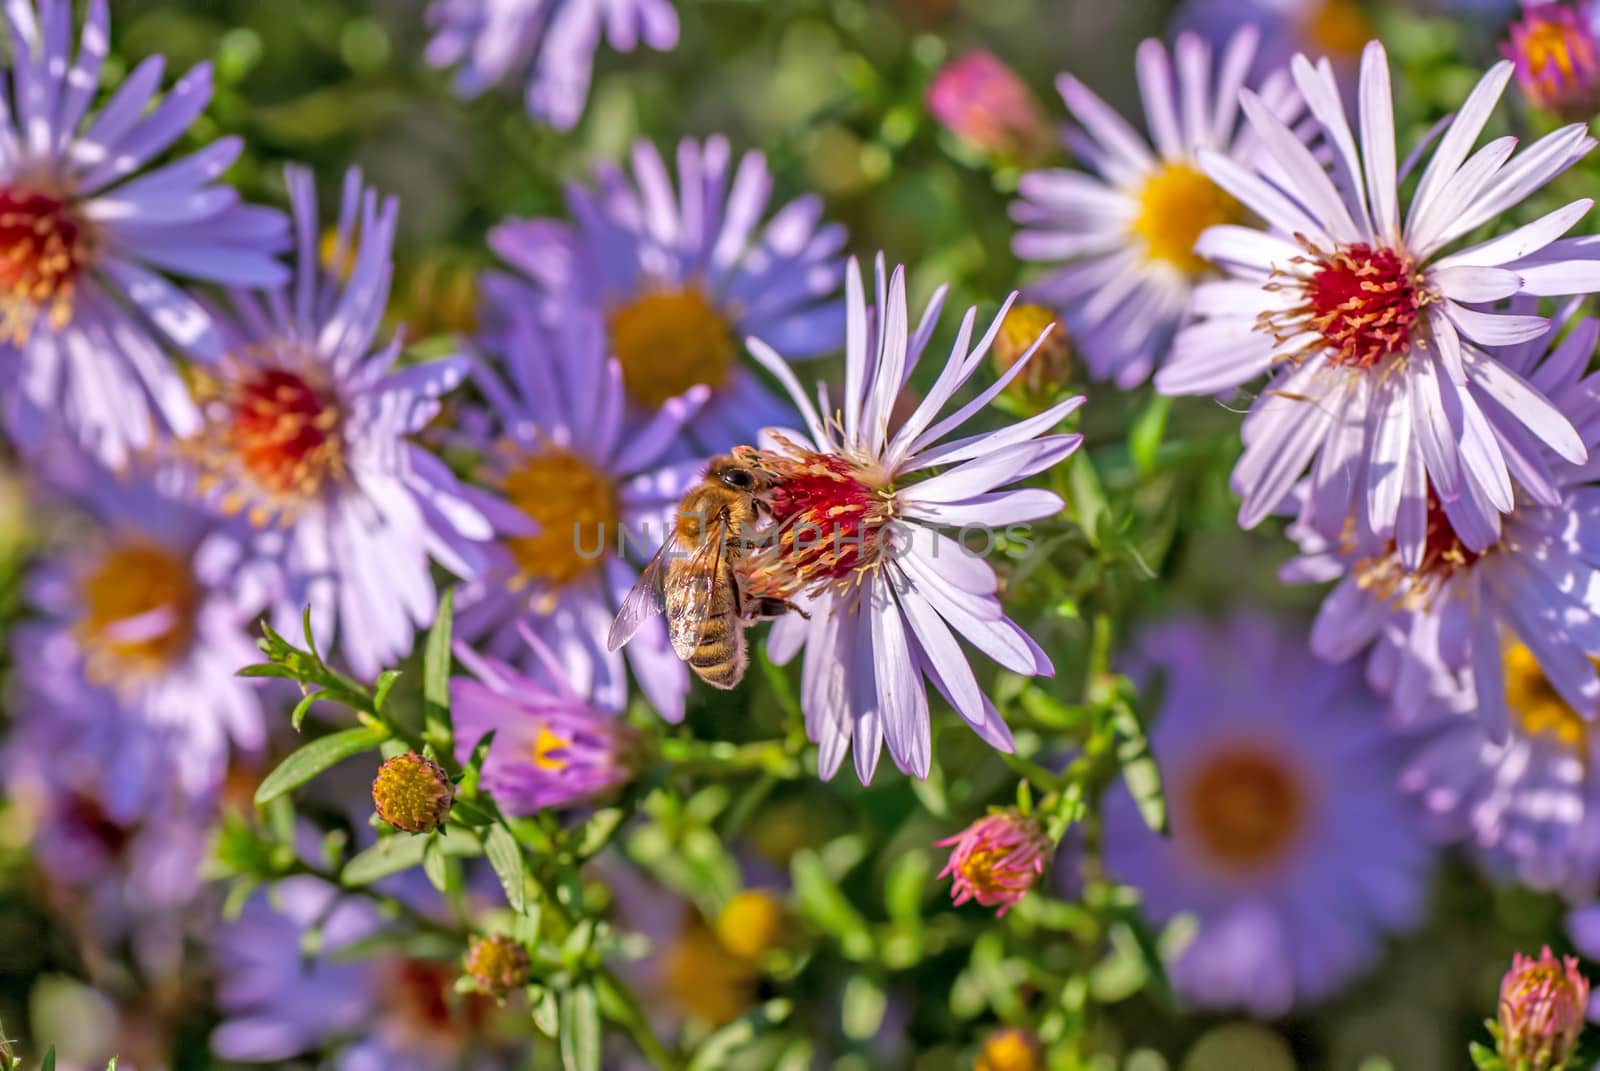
x=669, y=341
x=43, y=248
x=576, y=507
x=285, y=431
x=1245, y=808
x=139, y=602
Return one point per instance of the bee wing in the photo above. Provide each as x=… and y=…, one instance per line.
x=643, y=601
x=690, y=590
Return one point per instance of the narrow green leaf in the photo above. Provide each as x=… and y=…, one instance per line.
x=821, y=899
x=1139, y=770
x=1088, y=497
x=435, y=865
x=310, y=760
x=1149, y=427
x=717, y=1050
x=436, y=662
x=389, y=856
x=299, y=716
x=49, y=1063
x=267, y=669
x=580, y=1030
x=506, y=858
x=546, y=1014
x=311, y=642
x=380, y=694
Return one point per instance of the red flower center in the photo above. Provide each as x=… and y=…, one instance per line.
x=1443, y=555
x=43, y=248
x=1364, y=301
x=286, y=432
x=829, y=522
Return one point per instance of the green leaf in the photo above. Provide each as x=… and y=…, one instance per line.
x=506, y=858
x=1088, y=497
x=267, y=669
x=435, y=865
x=49, y=1063
x=905, y=887
x=300, y=708
x=310, y=760
x=436, y=662
x=389, y=856
x=862, y=1007
x=1139, y=770
x=580, y=1030
x=380, y=694
x=1144, y=438
x=716, y=1051
x=546, y=1014
x=311, y=642
x=821, y=900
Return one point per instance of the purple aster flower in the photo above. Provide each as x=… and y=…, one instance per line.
x=1527, y=806
x=1372, y=332
x=556, y=446
x=121, y=850
x=85, y=313
x=550, y=42
x=1337, y=29
x=1127, y=233
x=1445, y=616
x=551, y=748
x=142, y=623
x=1557, y=54
x=859, y=545
x=996, y=860
x=306, y=425
x=678, y=277
x=385, y=1011
x=1291, y=846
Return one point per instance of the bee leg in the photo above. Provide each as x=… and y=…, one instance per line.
x=766, y=609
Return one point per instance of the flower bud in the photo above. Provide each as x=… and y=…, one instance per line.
x=497, y=965
x=996, y=860
x=752, y=924
x=984, y=103
x=1048, y=368
x=1542, y=1007
x=1010, y=1049
x=413, y=793
x=1557, y=60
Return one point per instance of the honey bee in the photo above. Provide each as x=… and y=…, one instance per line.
x=693, y=577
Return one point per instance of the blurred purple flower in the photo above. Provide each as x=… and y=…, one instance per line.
x=1528, y=806
x=678, y=277
x=1379, y=382
x=1446, y=615
x=1335, y=29
x=1127, y=233
x=887, y=592
x=555, y=445
x=84, y=310
x=306, y=431
x=1557, y=55
x=984, y=103
x=550, y=42
x=996, y=860
x=1291, y=845
x=142, y=624
x=551, y=748
x=386, y=1012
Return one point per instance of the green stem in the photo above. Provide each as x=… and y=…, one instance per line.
x=702, y=758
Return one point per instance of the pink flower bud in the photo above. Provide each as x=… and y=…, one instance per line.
x=983, y=102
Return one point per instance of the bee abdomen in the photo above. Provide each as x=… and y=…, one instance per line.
x=720, y=658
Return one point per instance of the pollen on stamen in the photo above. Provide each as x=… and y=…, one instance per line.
x=1362, y=300
x=1443, y=555
x=829, y=522
x=43, y=249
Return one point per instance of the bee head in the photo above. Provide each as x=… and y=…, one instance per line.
x=737, y=475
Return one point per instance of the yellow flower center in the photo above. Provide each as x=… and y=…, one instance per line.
x=978, y=870
x=1537, y=707
x=1550, y=43
x=704, y=979
x=1010, y=1049
x=544, y=748
x=1176, y=204
x=139, y=605
x=577, y=510
x=1339, y=28
x=1244, y=808
x=751, y=924
x=669, y=341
